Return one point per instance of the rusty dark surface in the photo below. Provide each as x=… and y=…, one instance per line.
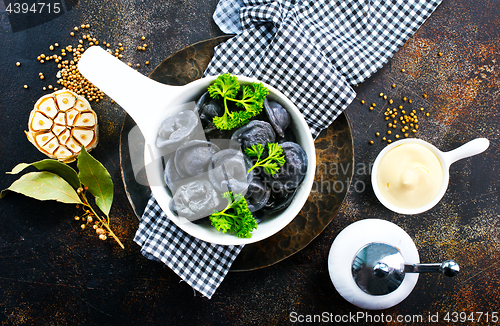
x=335, y=162
x=53, y=273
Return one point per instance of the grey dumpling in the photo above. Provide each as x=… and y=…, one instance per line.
x=294, y=170
x=229, y=172
x=257, y=195
x=177, y=129
x=171, y=175
x=255, y=132
x=194, y=157
x=195, y=200
x=278, y=116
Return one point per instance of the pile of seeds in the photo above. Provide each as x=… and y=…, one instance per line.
x=67, y=59
x=402, y=120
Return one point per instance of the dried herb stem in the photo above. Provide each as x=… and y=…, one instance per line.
x=103, y=221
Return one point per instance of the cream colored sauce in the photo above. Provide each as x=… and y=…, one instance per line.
x=409, y=176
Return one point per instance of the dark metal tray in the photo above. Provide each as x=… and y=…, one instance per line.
x=334, y=156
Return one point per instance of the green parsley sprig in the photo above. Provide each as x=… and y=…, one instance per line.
x=251, y=99
x=235, y=218
x=274, y=160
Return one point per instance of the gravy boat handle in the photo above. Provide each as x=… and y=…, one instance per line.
x=471, y=148
x=141, y=97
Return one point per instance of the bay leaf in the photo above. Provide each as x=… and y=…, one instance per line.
x=63, y=170
x=95, y=176
x=44, y=186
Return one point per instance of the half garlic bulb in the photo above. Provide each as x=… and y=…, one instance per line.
x=61, y=123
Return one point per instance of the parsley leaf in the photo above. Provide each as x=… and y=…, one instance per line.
x=226, y=86
x=274, y=160
x=235, y=218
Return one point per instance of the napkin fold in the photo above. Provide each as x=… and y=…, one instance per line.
x=312, y=51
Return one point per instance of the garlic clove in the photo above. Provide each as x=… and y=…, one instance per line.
x=40, y=122
x=43, y=138
x=48, y=107
x=65, y=100
x=64, y=136
x=71, y=115
x=84, y=136
x=86, y=119
x=51, y=146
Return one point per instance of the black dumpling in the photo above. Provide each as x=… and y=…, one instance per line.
x=255, y=132
x=278, y=116
x=257, y=194
x=207, y=108
x=294, y=170
x=279, y=200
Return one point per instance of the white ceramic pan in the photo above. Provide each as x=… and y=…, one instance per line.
x=149, y=103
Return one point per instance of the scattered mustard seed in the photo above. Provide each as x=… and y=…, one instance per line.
x=371, y=142
x=18, y=63
x=403, y=70
x=362, y=101
x=143, y=38
x=25, y=86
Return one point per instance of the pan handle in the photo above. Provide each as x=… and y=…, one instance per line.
x=471, y=148
x=141, y=97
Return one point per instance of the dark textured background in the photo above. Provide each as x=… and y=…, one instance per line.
x=52, y=273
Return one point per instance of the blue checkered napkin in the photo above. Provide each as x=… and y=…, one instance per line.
x=202, y=265
x=312, y=51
